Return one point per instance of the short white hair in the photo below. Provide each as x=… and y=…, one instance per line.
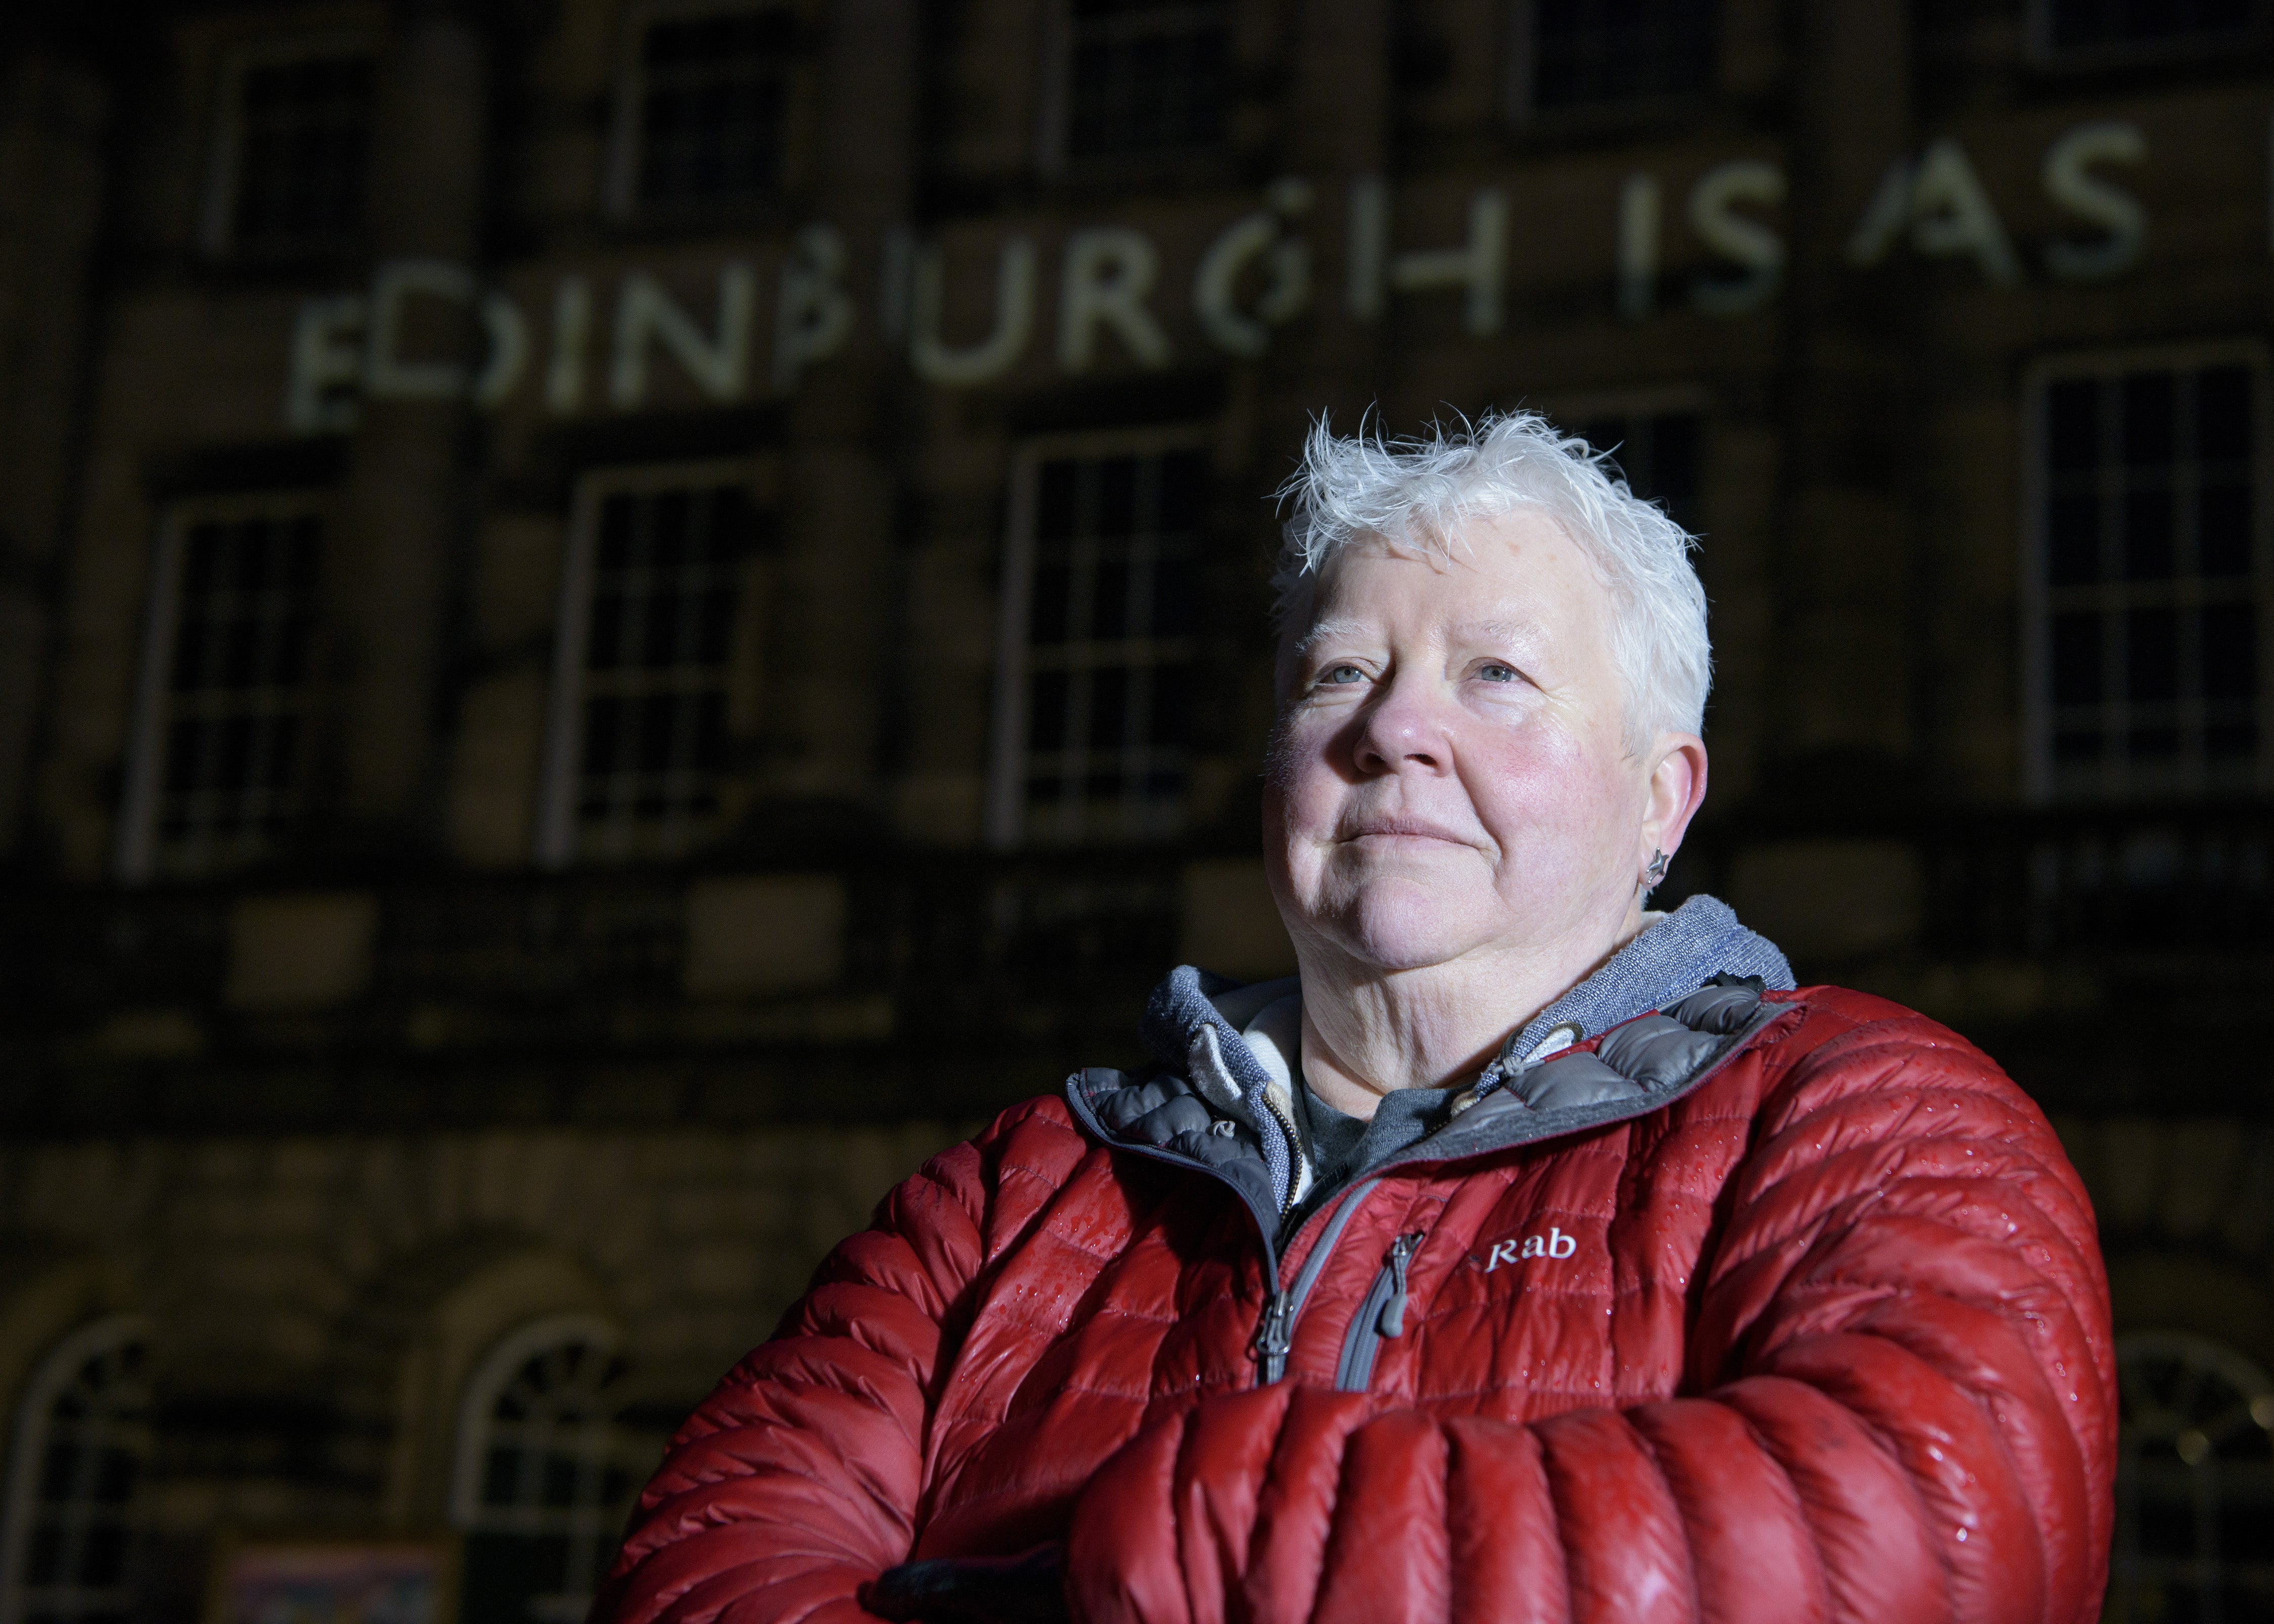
x=1414, y=495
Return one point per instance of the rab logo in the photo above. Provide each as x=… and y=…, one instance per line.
x=1554, y=1243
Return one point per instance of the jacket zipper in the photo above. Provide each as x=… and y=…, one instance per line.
x=1380, y=1314
x=1275, y=1332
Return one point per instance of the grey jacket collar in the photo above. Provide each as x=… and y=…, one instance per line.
x=1215, y=1104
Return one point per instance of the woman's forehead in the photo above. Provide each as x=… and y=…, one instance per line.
x=1497, y=574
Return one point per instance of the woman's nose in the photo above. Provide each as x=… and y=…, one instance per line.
x=1404, y=730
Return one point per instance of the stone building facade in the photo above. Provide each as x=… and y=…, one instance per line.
x=618, y=618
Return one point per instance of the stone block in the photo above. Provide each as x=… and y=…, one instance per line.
x=765, y=934
x=1829, y=899
x=300, y=952
x=1229, y=923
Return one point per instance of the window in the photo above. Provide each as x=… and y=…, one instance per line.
x=705, y=110
x=650, y=601
x=545, y=1473
x=291, y=163
x=2149, y=577
x=70, y=1523
x=2068, y=29
x=1590, y=53
x=220, y=760
x=1096, y=664
x=1144, y=79
x=2194, y=1482
x=1657, y=453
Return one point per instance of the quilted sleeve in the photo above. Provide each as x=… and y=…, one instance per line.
x=1899, y=1405
x=797, y=1481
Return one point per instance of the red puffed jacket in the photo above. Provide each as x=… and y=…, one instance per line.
x=1769, y=1306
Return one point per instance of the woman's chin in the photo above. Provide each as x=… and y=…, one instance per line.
x=1397, y=933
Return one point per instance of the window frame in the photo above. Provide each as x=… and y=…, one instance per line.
x=2040, y=785
x=556, y=843
x=2041, y=53
x=1520, y=77
x=2128, y=1566
x=1060, y=36
x=136, y=847
x=620, y=199
x=57, y=1368
x=469, y=1514
x=216, y=233
x=1007, y=821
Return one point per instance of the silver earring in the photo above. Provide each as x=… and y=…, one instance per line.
x=1657, y=869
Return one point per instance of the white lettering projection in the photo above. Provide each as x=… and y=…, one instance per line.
x=1108, y=274
x=1758, y=252
x=2070, y=181
x=1637, y=254
x=1264, y=240
x=815, y=316
x=572, y=335
x=716, y=364
x=1256, y=275
x=328, y=348
x=930, y=356
x=1477, y=267
x=1942, y=201
x=387, y=376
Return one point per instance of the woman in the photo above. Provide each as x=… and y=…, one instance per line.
x=1528, y=1255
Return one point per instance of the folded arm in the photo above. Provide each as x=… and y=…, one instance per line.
x=1902, y=1411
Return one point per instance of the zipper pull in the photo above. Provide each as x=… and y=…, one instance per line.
x=1392, y=1321
x=1274, y=1335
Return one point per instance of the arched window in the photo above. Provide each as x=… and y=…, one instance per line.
x=70, y=1516
x=2195, y=1482
x=545, y=1475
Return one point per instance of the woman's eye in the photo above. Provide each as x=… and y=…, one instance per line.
x=1493, y=671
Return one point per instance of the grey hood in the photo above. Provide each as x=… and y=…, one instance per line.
x=1222, y=1097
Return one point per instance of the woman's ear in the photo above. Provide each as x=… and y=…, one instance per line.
x=1678, y=789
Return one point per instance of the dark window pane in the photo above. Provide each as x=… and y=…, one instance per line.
x=1171, y=721
x=1109, y=614
x=1046, y=713
x=657, y=732
x=1181, y=483
x=2158, y=743
x=1588, y=51
x=2151, y=663
x=2222, y=414
x=2072, y=425
x=713, y=94
x=2072, y=745
x=617, y=516
x=1116, y=497
x=2223, y=528
x=1047, y=609
x=2150, y=549
x=2230, y=652
x=1146, y=79
x=2076, y=656
x=2148, y=419
x=603, y=735
x=2098, y=25
x=2072, y=540
x=303, y=145
x=1109, y=707
x=1173, y=598
x=1057, y=500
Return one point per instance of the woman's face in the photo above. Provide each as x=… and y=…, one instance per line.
x=1450, y=776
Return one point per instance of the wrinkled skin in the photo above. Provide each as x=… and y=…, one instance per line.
x=1461, y=813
